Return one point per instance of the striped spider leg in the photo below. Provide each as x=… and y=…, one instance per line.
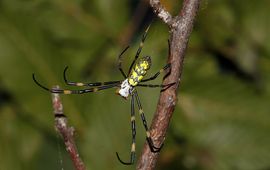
x=125, y=88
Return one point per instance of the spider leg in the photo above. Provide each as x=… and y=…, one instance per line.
x=133, y=128
x=120, y=62
x=152, y=147
x=71, y=83
x=163, y=86
x=167, y=66
x=169, y=48
x=139, y=49
x=66, y=91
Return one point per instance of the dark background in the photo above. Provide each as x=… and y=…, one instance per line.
x=221, y=121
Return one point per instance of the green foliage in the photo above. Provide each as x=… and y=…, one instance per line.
x=222, y=116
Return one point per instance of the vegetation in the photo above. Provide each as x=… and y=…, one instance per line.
x=222, y=116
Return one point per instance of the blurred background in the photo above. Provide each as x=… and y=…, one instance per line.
x=221, y=121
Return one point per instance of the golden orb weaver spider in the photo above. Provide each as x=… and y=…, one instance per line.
x=126, y=88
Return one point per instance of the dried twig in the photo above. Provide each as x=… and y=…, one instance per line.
x=61, y=125
x=161, y=12
x=180, y=29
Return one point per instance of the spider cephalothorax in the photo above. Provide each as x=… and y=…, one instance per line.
x=126, y=88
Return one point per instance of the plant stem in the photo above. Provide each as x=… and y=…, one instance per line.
x=67, y=132
x=180, y=30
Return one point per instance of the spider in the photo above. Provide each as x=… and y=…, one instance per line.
x=125, y=88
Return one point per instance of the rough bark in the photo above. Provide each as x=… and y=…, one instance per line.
x=180, y=30
x=66, y=132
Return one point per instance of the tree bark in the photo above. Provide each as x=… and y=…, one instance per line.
x=180, y=30
x=66, y=132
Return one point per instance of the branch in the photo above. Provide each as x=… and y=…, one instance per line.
x=161, y=12
x=181, y=27
x=61, y=125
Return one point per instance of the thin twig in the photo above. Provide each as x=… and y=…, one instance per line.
x=67, y=133
x=181, y=27
x=161, y=12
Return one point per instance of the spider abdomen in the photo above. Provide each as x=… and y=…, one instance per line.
x=139, y=70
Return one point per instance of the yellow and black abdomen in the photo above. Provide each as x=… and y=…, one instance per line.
x=139, y=70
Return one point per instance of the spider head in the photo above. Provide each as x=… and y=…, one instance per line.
x=125, y=89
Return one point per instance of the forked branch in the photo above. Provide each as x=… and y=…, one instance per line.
x=180, y=30
x=161, y=12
